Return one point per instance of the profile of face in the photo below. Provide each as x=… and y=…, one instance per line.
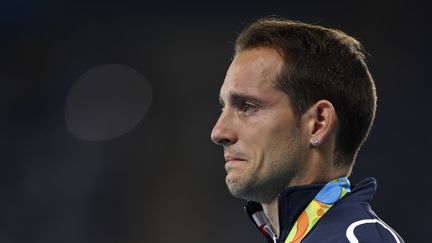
x=263, y=141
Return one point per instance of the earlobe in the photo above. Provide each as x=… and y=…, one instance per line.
x=323, y=119
x=314, y=141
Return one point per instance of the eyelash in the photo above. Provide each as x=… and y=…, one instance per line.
x=245, y=106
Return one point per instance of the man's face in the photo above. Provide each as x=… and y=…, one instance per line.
x=262, y=140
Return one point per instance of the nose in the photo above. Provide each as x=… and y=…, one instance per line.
x=223, y=132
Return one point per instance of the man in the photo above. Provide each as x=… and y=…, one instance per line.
x=298, y=102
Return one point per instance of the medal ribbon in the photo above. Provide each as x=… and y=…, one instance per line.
x=323, y=201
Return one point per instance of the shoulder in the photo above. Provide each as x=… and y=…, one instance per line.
x=352, y=220
x=353, y=223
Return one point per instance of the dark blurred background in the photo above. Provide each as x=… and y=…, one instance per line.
x=107, y=109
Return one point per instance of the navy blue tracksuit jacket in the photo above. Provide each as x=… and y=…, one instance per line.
x=350, y=220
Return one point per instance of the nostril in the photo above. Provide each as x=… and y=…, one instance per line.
x=224, y=142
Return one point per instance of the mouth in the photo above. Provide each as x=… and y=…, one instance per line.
x=229, y=159
x=233, y=161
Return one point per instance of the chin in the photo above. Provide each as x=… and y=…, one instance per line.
x=239, y=189
x=238, y=193
x=234, y=186
x=250, y=190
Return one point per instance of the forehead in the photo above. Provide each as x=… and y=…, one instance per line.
x=253, y=71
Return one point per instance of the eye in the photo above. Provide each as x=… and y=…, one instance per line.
x=246, y=107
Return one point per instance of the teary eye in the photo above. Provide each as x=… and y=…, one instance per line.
x=246, y=106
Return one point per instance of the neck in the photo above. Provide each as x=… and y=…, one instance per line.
x=317, y=170
x=271, y=211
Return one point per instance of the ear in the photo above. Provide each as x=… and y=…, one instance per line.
x=321, y=122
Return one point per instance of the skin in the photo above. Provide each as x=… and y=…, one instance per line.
x=266, y=147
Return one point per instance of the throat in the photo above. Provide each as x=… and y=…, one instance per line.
x=271, y=210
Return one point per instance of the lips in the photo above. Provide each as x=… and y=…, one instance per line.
x=231, y=158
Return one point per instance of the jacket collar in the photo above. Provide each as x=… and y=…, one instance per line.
x=292, y=202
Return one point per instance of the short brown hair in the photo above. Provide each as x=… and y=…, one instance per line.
x=320, y=63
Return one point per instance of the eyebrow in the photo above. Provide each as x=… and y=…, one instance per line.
x=236, y=97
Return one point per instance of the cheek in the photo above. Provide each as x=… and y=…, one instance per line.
x=283, y=132
x=270, y=138
x=269, y=144
x=282, y=140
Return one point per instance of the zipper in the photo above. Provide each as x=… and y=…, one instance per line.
x=270, y=232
